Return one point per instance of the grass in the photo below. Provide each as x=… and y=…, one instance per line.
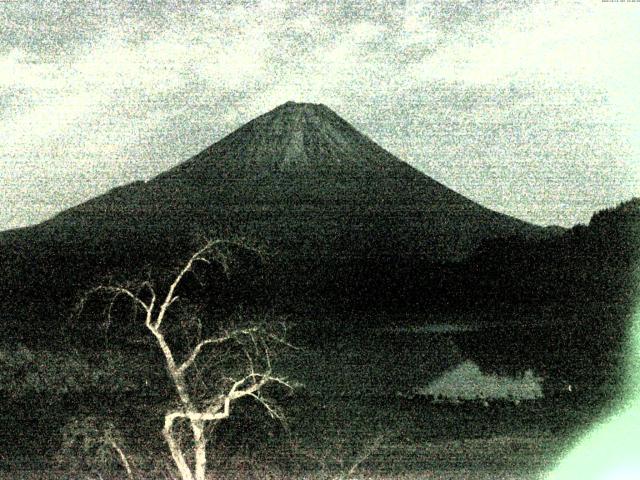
x=503, y=457
x=350, y=399
x=327, y=436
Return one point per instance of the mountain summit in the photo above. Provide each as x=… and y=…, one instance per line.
x=293, y=137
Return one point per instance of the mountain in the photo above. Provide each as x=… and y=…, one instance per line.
x=320, y=197
x=300, y=177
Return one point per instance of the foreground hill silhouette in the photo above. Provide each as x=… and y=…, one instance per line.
x=565, y=303
x=323, y=200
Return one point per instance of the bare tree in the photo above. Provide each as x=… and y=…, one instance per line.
x=198, y=408
x=91, y=441
x=330, y=459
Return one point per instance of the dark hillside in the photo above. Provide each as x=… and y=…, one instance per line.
x=565, y=302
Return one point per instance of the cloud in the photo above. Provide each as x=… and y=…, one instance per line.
x=576, y=42
x=543, y=103
x=489, y=98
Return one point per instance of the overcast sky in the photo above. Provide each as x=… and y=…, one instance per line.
x=529, y=107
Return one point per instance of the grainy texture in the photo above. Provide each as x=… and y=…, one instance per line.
x=441, y=330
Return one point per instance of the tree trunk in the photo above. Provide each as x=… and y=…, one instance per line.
x=200, y=442
x=176, y=451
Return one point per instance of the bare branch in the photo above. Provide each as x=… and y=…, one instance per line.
x=174, y=447
x=366, y=454
x=117, y=291
x=123, y=458
x=212, y=341
x=266, y=353
x=170, y=298
x=249, y=360
x=152, y=304
x=198, y=348
x=271, y=410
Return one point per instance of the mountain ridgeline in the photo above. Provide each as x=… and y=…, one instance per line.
x=391, y=282
x=566, y=303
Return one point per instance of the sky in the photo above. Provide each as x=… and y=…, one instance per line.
x=528, y=107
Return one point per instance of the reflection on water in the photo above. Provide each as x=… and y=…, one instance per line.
x=468, y=382
x=442, y=328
